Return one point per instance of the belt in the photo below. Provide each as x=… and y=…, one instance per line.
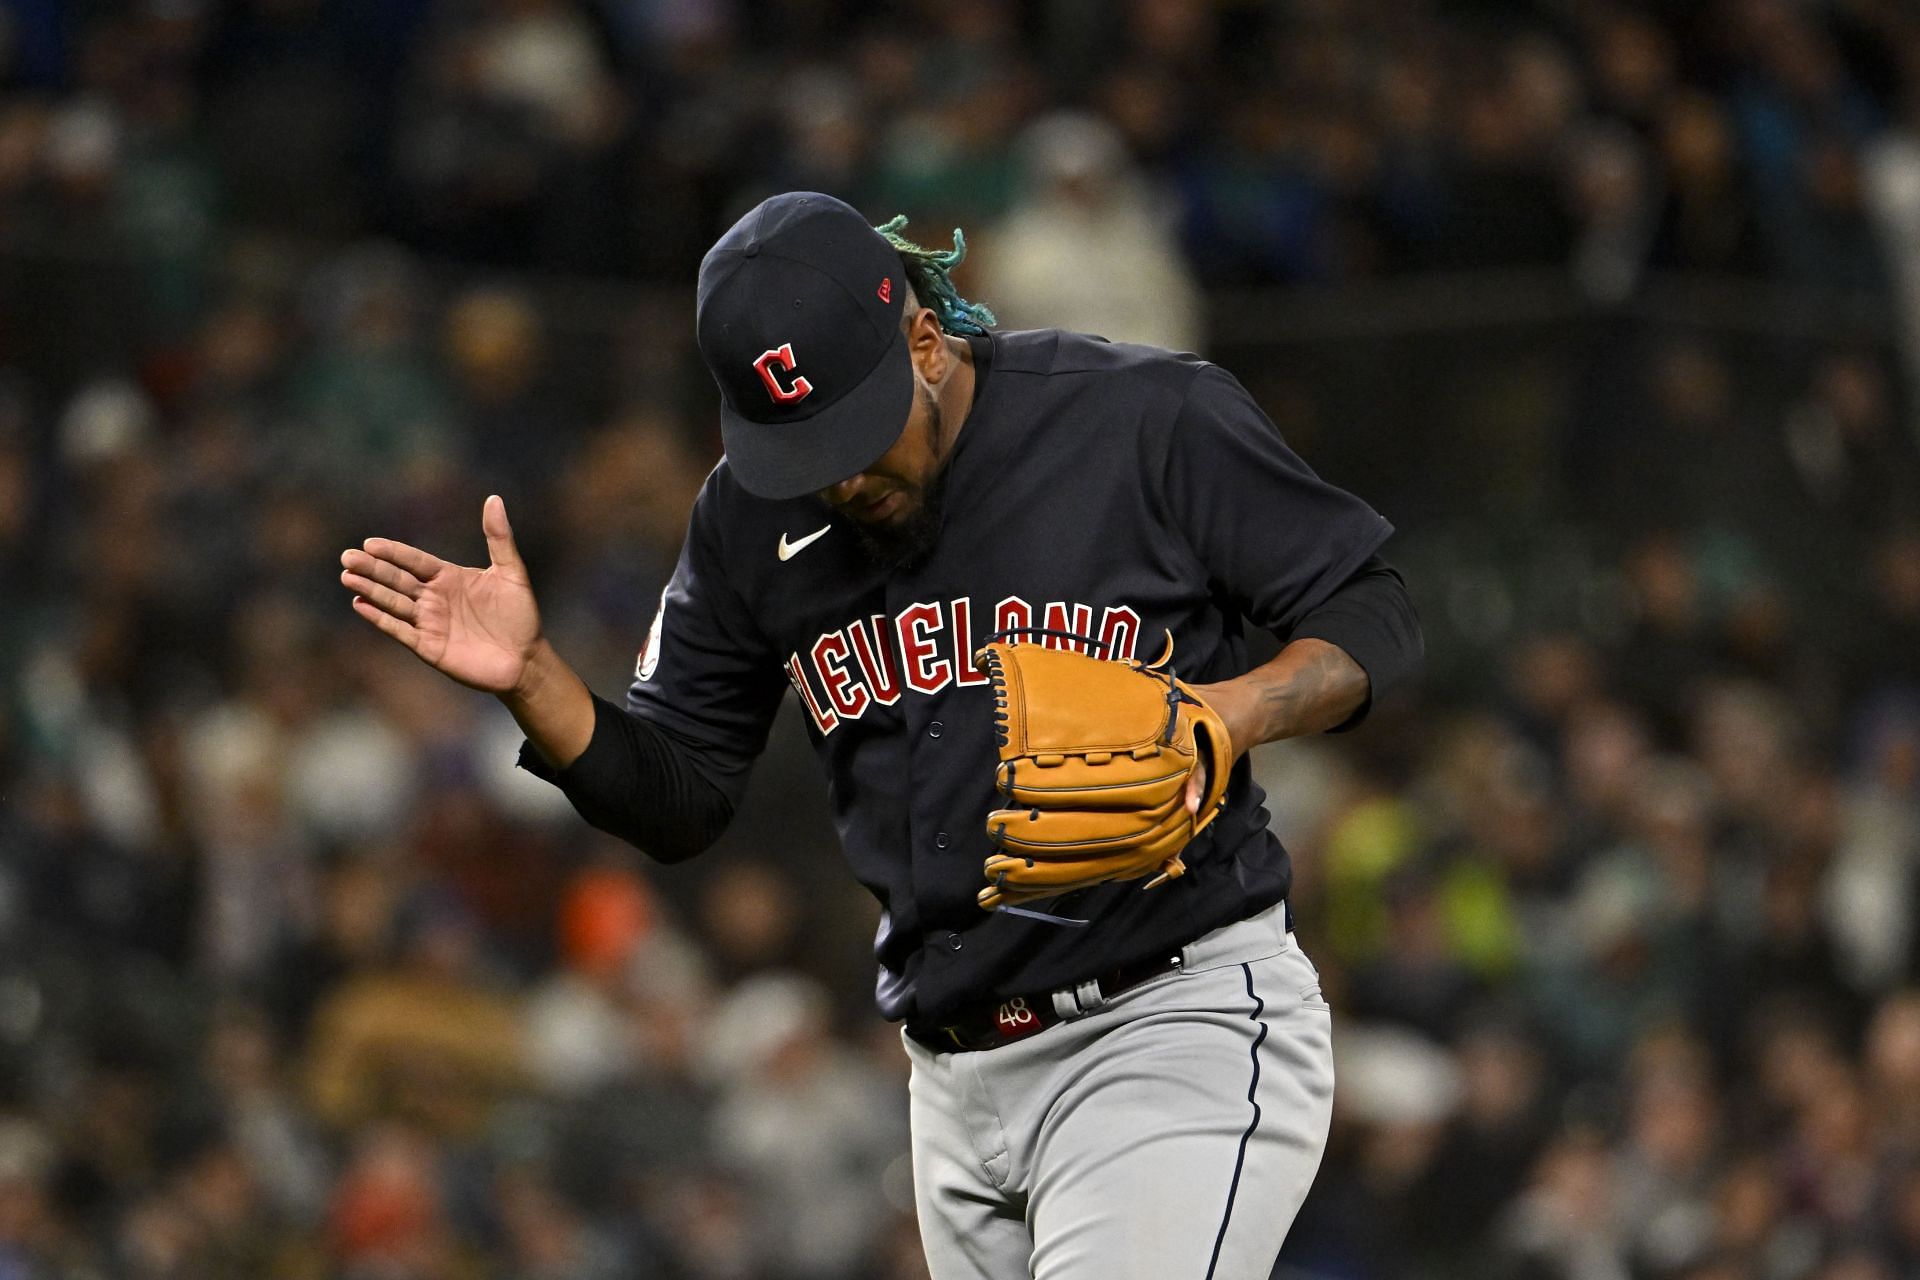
x=992, y=1023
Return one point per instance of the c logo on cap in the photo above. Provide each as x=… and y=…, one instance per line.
x=783, y=356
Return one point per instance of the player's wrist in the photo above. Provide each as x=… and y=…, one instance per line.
x=553, y=705
x=1238, y=709
x=538, y=667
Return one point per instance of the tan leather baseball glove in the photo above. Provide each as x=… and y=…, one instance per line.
x=1094, y=761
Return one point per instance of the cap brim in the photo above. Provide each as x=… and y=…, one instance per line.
x=790, y=459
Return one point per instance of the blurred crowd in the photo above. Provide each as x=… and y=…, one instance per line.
x=300, y=977
x=1235, y=142
x=1626, y=953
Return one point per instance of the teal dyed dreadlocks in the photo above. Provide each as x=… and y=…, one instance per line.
x=928, y=274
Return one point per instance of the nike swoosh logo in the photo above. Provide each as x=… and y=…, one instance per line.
x=788, y=550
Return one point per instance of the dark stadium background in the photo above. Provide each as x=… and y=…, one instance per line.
x=1610, y=307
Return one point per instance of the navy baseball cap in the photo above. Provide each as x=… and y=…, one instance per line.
x=799, y=322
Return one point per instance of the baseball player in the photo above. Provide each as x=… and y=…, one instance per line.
x=967, y=553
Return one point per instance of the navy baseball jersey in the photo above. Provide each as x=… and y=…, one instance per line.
x=1114, y=491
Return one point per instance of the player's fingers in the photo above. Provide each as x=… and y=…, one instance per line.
x=387, y=623
x=1196, y=791
x=493, y=522
x=386, y=599
x=420, y=564
x=384, y=572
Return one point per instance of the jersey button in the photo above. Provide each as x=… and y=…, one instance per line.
x=935, y=729
x=953, y=942
x=940, y=841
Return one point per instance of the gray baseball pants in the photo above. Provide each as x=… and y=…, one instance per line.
x=1170, y=1132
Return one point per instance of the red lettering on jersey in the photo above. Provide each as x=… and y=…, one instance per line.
x=829, y=657
x=1120, y=632
x=886, y=290
x=966, y=672
x=1081, y=623
x=1013, y=614
x=926, y=672
x=781, y=355
x=823, y=719
x=876, y=659
x=847, y=672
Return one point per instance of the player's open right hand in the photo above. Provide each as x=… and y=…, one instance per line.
x=480, y=626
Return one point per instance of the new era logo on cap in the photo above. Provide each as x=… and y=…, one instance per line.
x=815, y=381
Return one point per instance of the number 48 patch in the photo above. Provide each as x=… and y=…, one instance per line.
x=1015, y=1019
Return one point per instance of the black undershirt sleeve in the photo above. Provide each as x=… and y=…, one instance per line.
x=635, y=781
x=1371, y=618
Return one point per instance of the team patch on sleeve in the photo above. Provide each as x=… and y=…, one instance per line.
x=649, y=658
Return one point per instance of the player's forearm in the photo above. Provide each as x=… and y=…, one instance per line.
x=553, y=707
x=1308, y=687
